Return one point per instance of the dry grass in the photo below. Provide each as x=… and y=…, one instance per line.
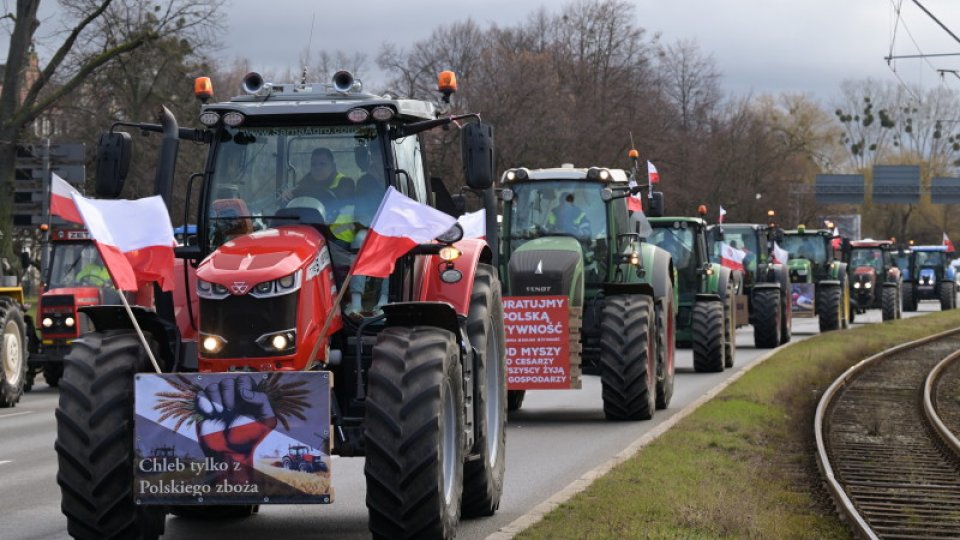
x=743, y=465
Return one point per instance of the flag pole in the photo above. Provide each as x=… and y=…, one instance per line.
x=136, y=326
x=330, y=315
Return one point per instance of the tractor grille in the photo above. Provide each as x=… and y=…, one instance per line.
x=542, y=273
x=240, y=320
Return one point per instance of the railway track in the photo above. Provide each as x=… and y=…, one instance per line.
x=890, y=460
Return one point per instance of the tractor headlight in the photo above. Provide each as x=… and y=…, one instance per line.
x=69, y=322
x=282, y=341
x=47, y=322
x=277, y=287
x=856, y=285
x=211, y=344
x=211, y=291
x=867, y=285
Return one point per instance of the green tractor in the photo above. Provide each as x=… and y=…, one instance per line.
x=819, y=280
x=706, y=318
x=766, y=280
x=583, y=290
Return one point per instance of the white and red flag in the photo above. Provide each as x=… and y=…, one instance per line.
x=399, y=225
x=474, y=224
x=722, y=213
x=780, y=255
x=134, y=238
x=652, y=175
x=731, y=257
x=61, y=199
x=948, y=243
x=634, y=202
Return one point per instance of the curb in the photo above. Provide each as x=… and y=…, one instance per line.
x=539, y=511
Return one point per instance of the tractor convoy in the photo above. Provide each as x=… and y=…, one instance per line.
x=573, y=252
x=273, y=352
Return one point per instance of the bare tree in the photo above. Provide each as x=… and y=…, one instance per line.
x=96, y=33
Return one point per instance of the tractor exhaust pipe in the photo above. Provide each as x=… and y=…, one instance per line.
x=167, y=164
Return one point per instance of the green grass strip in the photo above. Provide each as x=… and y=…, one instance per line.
x=743, y=465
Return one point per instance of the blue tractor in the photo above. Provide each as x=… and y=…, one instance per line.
x=929, y=276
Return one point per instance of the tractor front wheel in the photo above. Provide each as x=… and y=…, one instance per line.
x=483, y=475
x=766, y=318
x=664, y=347
x=414, y=434
x=889, y=302
x=13, y=353
x=627, y=374
x=948, y=295
x=708, y=336
x=515, y=399
x=730, y=329
x=830, y=308
x=95, y=447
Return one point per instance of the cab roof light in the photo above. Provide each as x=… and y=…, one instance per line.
x=517, y=174
x=209, y=118
x=203, y=88
x=633, y=153
x=381, y=113
x=596, y=173
x=447, y=84
x=358, y=115
x=233, y=118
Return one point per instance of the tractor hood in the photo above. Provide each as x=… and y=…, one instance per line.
x=549, y=266
x=262, y=256
x=865, y=271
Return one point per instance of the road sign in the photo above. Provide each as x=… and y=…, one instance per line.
x=34, y=164
x=839, y=189
x=945, y=190
x=896, y=184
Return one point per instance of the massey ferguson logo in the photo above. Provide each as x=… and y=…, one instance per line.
x=239, y=287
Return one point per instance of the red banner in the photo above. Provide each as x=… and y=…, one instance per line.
x=538, y=342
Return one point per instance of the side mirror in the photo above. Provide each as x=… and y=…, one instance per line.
x=478, y=159
x=656, y=204
x=113, y=163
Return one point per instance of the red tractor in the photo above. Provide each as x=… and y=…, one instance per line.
x=261, y=347
x=299, y=458
x=876, y=281
x=74, y=278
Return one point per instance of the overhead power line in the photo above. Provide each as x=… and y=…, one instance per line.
x=936, y=20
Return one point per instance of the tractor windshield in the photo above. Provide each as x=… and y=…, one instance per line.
x=76, y=264
x=806, y=246
x=930, y=258
x=323, y=175
x=742, y=239
x=872, y=257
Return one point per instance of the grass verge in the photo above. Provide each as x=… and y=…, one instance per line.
x=743, y=465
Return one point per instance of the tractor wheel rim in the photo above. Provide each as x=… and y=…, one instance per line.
x=448, y=442
x=495, y=398
x=12, y=357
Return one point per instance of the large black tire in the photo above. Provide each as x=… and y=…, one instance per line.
x=414, y=434
x=948, y=295
x=767, y=323
x=13, y=353
x=665, y=369
x=707, y=329
x=627, y=375
x=729, y=329
x=95, y=449
x=909, y=297
x=52, y=374
x=830, y=308
x=483, y=473
x=889, y=303
x=515, y=399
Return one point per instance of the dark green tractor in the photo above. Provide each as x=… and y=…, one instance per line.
x=567, y=235
x=766, y=280
x=821, y=287
x=706, y=318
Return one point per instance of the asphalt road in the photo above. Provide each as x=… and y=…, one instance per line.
x=554, y=439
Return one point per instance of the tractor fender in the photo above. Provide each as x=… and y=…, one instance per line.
x=828, y=283
x=457, y=295
x=838, y=270
x=707, y=297
x=115, y=318
x=724, y=278
x=891, y=284
x=437, y=314
x=758, y=286
x=659, y=271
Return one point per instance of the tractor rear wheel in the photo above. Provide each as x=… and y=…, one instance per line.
x=909, y=297
x=729, y=329
x=948, y=295
x=889, y=303
x=95, y=447
x=483, y=475
x=627, y=373
x=414, y=434
x=665, y=365
x=830, y=308
x=515, y=399
x=766, y=318
x=13, y=353
x=708, y=336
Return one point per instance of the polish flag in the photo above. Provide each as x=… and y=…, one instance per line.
x=134, y=238
x=474, y=224
x=634, y=202
x=722, y=213
x=731, y=257
x=61, y=200
x=948, y=243
x=780, y=255
x=399, y=225
x=652, y=175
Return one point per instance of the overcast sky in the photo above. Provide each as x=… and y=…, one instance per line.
x=760, y=46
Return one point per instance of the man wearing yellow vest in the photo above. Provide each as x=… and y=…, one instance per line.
x=324, y=183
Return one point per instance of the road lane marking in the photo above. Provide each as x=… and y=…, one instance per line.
x=5, y=461
x=15, y=414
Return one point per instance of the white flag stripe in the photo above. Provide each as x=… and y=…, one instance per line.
x=125, y=224
x=59, y=186
x=779, y=254
x=400, y=215
x=474, y=224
